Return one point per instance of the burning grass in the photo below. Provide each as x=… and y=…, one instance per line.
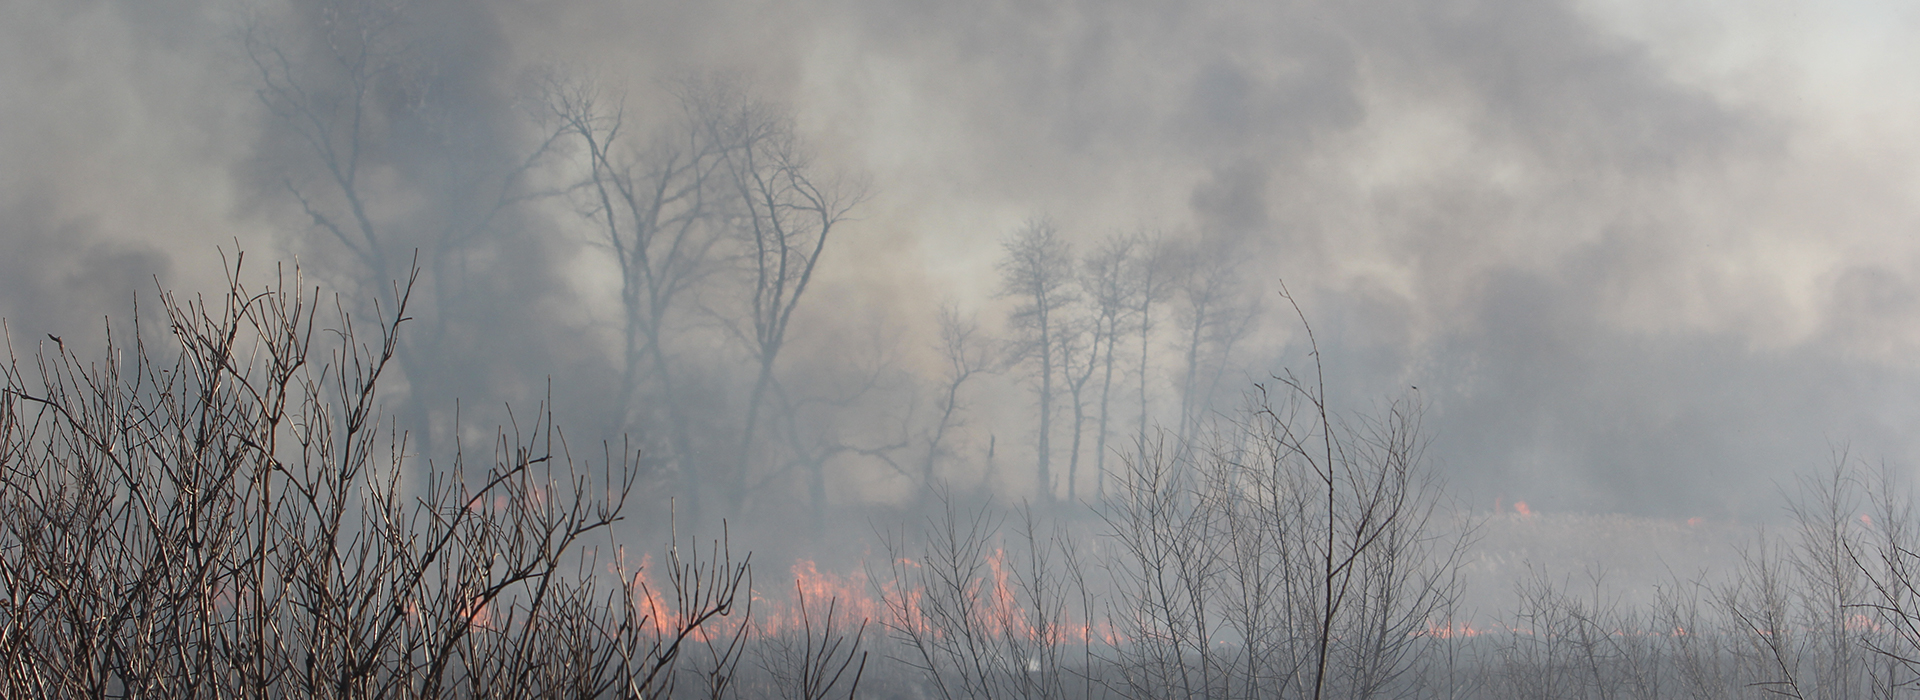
x=220, y=512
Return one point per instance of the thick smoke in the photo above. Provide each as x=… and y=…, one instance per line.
x=1632, y=265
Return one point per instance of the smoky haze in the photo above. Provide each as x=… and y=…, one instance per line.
x=1635, y=259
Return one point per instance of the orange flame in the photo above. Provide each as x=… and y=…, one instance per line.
x=1437, y=630
x=854, y=599
x=648, y=608
x=478, y=613
x=816, y=593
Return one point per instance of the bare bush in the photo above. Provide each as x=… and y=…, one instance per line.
x=811, y=667
x=1292, y=554
x=979, y=615
x=219, y=512
x=1803, y=617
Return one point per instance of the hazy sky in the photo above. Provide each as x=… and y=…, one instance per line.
x=1650, y=257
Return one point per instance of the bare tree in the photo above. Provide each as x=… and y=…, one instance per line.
x=1038, y=272
x=783, y=212
x=1150, y=279
x=340, y=77
x=1108, y=289
x=966, y=354
x=1215, y=316
x=653, y=203
x=1079, y=339
x=814, y=429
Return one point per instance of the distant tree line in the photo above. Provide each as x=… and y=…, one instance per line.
x=717, y=218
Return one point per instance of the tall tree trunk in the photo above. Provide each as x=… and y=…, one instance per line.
x=1073, y=460
x=737, y=499
x=1045, y=487
x=1146, y=343
x=1100, y=441
x=679, y=432
x=1187, y=393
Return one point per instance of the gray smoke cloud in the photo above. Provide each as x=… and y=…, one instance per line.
x=1634, y=261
